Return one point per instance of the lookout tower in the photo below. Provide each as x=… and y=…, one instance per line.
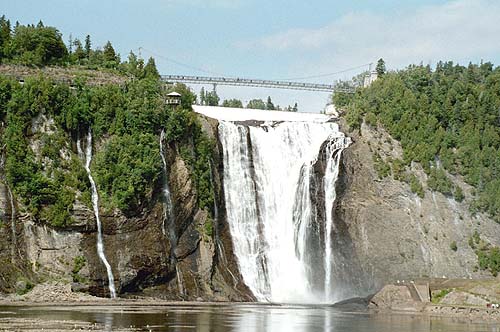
x=173, y=98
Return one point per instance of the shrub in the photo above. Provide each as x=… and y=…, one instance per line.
x=453, y=246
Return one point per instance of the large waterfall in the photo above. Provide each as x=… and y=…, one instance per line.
x=95, y=205
x=276, y=176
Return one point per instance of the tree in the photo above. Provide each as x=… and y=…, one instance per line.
x=5, y=32
x=150, y=70
x=234, y=103
x=88, y=46
x=295, y=108
x=212, y=99
x=37, y=46
x=110, y=57
x=380, y=69
x=269, y=104
x=256, y=104
x=78, y=53
x=202, y=96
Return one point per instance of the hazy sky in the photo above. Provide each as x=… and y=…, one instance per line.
x=277, y=39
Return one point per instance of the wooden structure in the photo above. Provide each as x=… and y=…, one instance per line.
x=173, y=98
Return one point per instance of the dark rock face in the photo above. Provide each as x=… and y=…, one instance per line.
x=348, y=275
x=177, y=261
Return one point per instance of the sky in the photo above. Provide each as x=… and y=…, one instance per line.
x=279, y=39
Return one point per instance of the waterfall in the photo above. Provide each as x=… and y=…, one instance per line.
x=95, y=205
x=333, y=153
x=167, y=214
x=278, y=233
x=168, y=217
x=12, y=225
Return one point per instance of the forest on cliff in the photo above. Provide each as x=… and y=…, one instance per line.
x=41, y=166
x=447, y=119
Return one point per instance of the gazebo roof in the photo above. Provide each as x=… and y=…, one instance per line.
x=174, y=94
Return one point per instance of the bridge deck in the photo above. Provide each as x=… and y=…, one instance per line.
x=254, y=83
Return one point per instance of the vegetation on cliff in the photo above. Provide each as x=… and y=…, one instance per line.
x=446, y=119
x=42, y=120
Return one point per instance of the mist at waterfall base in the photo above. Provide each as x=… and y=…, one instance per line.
x=279, y=188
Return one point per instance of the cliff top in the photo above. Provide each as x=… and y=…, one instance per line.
x=245, y=114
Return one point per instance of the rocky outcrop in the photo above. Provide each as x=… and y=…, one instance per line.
x=395, y=297
x=395, y=234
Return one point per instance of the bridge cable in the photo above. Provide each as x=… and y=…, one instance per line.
x=180, y=63
x=223, y=75
x=324, y=75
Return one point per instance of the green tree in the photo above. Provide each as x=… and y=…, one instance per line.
x=37, y=46
x=380, y=69
x=88, y=46
x=110, y=57
x=5, y=32
x=150, y=70
x=79, y=53
x=269, y=104
x=256, y=104
x=203, y=100
x=211, y=98
x=234, y=103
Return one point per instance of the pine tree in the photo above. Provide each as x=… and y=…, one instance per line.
x=269, y=104
x=88, y=46
x=5, y=33
x=109, y=52
x=202, y=96
x=150, y=69
x=79, y=52
x=380, y=69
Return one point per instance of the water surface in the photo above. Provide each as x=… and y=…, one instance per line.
x=241, y=317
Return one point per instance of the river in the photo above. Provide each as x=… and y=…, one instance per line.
x=222, y=318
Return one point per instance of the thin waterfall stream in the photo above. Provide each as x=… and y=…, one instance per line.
x=168, y=226
x=12, y=225
x=95, y=204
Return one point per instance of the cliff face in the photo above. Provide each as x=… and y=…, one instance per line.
x=383, y=232
x=188, y=259
x=394, y=234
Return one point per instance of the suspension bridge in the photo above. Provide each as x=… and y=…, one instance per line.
x=218, y=79
x=255, y=83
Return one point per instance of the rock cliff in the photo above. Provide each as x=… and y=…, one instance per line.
x=191, y=260
x=391, y=232
x=383, y=232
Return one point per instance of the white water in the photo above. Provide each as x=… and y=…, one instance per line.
x=268, y=174
x=167, y=214
x=333, y=154
x=95, y=205
x=12, y=225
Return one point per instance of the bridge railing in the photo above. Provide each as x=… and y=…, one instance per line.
x=255, y=83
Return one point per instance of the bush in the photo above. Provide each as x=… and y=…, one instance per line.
x=383, y=169
x=416, y=186
x=126, y=171
x=438, y=296
x=439, y=181
x=453, y=246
